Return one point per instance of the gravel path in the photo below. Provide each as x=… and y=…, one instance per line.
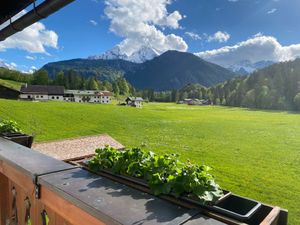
x=77, y=147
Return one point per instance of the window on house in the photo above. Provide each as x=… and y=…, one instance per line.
x=57, y=97
x=52, y=97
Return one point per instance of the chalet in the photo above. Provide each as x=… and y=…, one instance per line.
x=135, y=102
x=89, y=96
x=42, y=93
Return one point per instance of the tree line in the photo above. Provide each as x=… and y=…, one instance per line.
x=70, y=80
x=14, y=75
x=73, y=80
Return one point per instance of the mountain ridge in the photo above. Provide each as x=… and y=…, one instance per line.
x=170, y=70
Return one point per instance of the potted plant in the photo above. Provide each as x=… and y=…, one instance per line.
x=9, y=129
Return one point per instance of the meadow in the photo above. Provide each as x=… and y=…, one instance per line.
x=253, y=153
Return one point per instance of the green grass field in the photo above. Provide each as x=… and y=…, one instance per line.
x=253, y=153
x=11, y=84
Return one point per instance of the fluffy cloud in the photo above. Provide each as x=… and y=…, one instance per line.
x=219, y=37
x=33, y=39
x=142, y=22
x=255, y=49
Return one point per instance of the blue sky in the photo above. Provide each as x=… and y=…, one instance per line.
x=221, y=31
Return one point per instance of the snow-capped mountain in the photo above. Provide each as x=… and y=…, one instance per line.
x=245, y=67
x=114, y=53
x=142, y=55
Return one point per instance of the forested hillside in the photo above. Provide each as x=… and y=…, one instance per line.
x=174, y=70
x=275, y=87
x=108, y=70
x=14, y=75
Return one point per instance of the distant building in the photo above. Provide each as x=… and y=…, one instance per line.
x=42, y=93
x=58, y=93
x=90, y=96
x=8, y=93
x=196, y=101
x=135, y=102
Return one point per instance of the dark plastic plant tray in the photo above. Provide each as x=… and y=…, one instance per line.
x=237, y=207
x=22, y=139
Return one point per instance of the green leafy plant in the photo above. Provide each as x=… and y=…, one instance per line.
x=9, y=126
x=164, y=174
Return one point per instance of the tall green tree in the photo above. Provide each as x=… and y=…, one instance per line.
x=92, y=84
x=297, y=101
x=60, y=78
x=40, y=77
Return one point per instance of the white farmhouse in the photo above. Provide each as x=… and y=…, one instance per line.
x=89, y=96
x=58, y=93
x=42, y=93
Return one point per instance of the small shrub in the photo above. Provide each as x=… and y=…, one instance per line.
x=9, y=126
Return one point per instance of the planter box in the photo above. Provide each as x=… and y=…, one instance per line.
x=22, y=139
x=230, y=208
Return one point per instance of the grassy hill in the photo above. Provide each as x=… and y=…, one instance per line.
x=253, y=153
x=11, y=84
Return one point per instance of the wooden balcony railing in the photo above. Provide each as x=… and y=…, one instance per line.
x=38, y=190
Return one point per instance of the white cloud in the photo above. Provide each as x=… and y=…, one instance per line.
x=193, y=35
x=33, y=39
x=30, y=57
x=272, y=11
x=5, y=64
x=219, y=37
x=233, y=0
x=141, y=22
x=255, y=49
x=14, y=65
x=93, y=22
